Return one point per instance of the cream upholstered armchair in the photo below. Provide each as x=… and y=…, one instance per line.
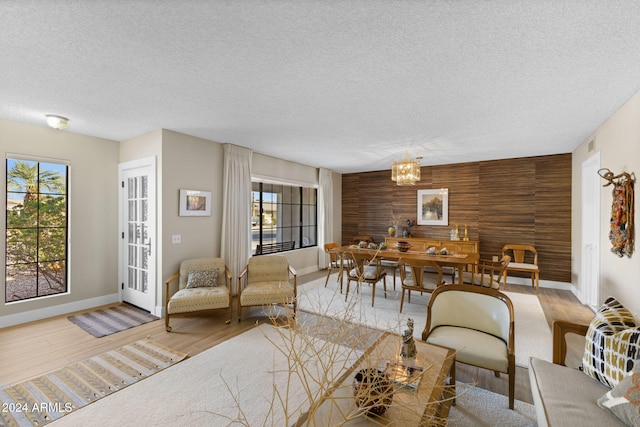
x=202, y=284
x=265, y=281
x=478, y=323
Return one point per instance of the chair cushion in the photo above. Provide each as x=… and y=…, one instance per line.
x=202, y=278
x=270, y=292
x=624, y=399
x=370, y=273
x=472, y=347
x=522, y=266
x=612, y=344
x=565, y=397
x=196, y=299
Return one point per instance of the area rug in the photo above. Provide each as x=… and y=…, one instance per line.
x=54, y=395
x=107, y=321
x=247, y=380
x=533, y=336
x=476, y=407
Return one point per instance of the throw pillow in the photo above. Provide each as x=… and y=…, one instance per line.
x=612, y=344
x=202, y=278
x=624, y=399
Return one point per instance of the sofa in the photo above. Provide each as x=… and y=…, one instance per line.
x=594, y=393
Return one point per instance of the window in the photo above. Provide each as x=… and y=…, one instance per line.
x=283, y=217
x=36, y=229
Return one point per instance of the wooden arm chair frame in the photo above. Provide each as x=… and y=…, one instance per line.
x=187, y=300
x=467, y=319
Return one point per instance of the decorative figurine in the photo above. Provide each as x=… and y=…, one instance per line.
x=408, y=344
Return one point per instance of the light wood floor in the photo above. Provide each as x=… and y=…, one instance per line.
x=32, y=349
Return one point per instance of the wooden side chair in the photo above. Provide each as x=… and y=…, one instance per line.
x=363, y=269
x=336, y=261
x=524, y=258
x=478, y=323
x=266, y=281
x=202, y=284
x=412, y=277
x=490, y=273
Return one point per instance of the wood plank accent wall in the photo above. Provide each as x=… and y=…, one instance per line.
x=524, y=200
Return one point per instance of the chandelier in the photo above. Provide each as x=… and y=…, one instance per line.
x=407, y=171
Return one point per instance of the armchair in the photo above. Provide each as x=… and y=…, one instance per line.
x=478, y=323
x=265, y=281
x=203, y=284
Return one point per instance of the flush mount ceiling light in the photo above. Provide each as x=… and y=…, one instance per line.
x=407, y=171
x=57, y=122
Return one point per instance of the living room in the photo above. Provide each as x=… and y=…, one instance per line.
x=187, y=161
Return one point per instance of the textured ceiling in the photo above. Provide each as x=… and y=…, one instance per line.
x=346, y=85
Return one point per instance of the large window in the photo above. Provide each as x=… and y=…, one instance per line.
x=283, y=217
x=36, y=229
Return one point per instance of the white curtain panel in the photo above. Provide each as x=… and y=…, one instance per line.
x=325, y=214
x=236, y=210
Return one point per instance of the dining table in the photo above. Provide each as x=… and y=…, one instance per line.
x=459, y=261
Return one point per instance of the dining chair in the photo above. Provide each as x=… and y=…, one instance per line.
x=336, y=261
x=524, y=259
x=412, y=277
x=365, y=268
x=490, y=273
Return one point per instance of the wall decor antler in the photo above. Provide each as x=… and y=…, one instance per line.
x=621, y=229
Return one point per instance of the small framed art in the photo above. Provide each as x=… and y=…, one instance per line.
x=195, y=203
x=433, y=207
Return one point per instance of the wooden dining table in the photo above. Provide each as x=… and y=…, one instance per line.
x=459, y=261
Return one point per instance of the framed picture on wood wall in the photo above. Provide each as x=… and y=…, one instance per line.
x=433, y=207
x=195, y=203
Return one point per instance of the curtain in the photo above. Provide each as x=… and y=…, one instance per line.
x=236, y=210
x=325, y=215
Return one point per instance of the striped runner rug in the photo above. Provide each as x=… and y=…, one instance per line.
x=51, y=396
x=107, y=321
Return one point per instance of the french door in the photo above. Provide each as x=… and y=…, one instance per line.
x=138, y=231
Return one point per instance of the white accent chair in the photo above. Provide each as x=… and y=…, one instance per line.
x=265, y=281
x=478, y=323
x=205, y=296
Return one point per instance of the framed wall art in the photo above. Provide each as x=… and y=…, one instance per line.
x=433, y=207
x=195, y=203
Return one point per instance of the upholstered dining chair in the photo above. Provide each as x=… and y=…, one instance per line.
x=490, y=273
x=524, y=258
x=202, y=284
x=412, y=277
x=478, y=323
x=266, y=280
x=365, y=269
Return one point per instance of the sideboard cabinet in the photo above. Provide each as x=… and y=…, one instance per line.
x=423, y=243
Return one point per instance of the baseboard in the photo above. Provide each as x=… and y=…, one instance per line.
x=563, y=286
x=56, y=310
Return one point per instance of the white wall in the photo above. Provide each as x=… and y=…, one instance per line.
x=93, y=217
x=618, y=141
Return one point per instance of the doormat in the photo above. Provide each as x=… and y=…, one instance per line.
x=107, y=321
x=38, y=401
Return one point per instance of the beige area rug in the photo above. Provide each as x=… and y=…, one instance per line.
x=54, y=395
x=247, y=381
x=533, y=335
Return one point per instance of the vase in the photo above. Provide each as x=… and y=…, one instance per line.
x=391, y=230
x=372, y=391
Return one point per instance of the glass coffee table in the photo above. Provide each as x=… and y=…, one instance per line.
x=425, y=405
